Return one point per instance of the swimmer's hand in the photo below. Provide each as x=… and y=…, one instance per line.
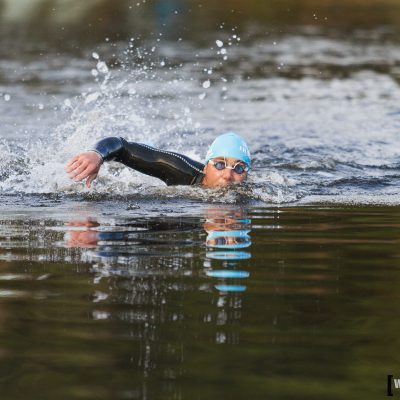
x=84, y=166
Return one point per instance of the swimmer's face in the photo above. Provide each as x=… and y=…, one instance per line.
x=215, y=178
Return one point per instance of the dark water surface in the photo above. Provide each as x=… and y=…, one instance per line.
x=110, y=300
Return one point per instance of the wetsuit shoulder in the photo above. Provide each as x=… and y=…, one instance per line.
x=173, y=168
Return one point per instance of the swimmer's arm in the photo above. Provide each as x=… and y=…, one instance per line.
x=172, y=168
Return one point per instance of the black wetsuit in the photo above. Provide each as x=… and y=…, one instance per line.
x=172, y=168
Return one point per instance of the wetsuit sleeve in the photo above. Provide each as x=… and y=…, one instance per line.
x=172, y=168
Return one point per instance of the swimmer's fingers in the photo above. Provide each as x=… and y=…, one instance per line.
x=88, y=158
x=78, y=169
x=83, y=175
x=70, y=164
x=90, y=167
x=90, y=179
x=74, y=165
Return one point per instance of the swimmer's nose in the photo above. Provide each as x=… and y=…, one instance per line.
x=228, y=174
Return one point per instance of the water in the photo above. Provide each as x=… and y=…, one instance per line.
x=318, y=106
x=104, y=304
x=283, y=287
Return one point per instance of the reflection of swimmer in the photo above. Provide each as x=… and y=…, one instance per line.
x=228, y=232
x=227, y=162
x=81, y=235
x=237, y=239
x=85, y=233
x=227, y=229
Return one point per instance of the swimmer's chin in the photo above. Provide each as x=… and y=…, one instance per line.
x=224, y=185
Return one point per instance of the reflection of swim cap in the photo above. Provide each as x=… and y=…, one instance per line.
x=240, y=239
x=231, y=288
x=229, y=145
x=228, y=255
x=227, y=273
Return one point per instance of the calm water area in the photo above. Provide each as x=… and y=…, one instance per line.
x=99, y=303
x=284, y=287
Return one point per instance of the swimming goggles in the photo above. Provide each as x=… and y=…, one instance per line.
x=239, y=168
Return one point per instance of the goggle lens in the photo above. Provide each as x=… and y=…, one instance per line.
x=219, y=165
x=238, y=168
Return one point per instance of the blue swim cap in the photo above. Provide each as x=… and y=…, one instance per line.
x=229, y=145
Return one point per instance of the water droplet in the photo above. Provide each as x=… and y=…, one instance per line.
x=202, y=96
x=95, y=56
x=67, y=103
x=206, y=84
x=7, y=97
x=219, y=43
x=102, y=67
x=92, y=97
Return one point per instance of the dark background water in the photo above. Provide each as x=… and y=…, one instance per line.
x=74, y=24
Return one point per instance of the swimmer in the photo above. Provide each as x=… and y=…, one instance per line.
x=227, y=162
